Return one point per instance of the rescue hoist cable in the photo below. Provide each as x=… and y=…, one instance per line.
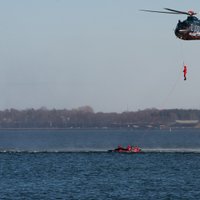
x=177, y=80
x=171, y=91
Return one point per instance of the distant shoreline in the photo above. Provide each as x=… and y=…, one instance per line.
x=150, y=119
x=100, y=129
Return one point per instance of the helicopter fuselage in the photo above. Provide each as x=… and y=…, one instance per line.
x=188, y=29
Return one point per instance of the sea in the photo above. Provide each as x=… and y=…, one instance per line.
x=76, y=165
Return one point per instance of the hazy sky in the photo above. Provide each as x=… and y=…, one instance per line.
x=102, y=53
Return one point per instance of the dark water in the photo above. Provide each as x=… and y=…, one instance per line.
x=98, y=140
x=99, y=176
x=57, y=173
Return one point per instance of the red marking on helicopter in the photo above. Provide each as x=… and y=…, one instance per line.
x=191, y=12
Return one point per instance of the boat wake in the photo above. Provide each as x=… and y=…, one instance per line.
x=172, y=150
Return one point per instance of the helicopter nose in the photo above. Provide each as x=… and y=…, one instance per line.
x=181, y=33
x=178, y=33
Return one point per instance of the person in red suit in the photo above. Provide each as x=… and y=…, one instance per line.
x=185, y=72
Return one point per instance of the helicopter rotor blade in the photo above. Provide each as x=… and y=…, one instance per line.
x=180, y=12
x=172, y=11
x=164, y=12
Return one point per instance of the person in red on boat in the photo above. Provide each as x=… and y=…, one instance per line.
x=136, y=149
x=129, y=147
x=185, y=72
x=120, y=147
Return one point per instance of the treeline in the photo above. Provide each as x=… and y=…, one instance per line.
x=85, y=117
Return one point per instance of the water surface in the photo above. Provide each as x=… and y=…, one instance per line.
x=74, y=164
x=99, y=176
x=98, y=140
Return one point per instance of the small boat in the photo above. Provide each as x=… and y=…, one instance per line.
x=129, y=149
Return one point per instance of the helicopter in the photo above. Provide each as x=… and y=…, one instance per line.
x=188, y=29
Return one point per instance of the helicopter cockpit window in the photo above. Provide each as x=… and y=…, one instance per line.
x=195, y=18
x=192, y=18
x=182, y=24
